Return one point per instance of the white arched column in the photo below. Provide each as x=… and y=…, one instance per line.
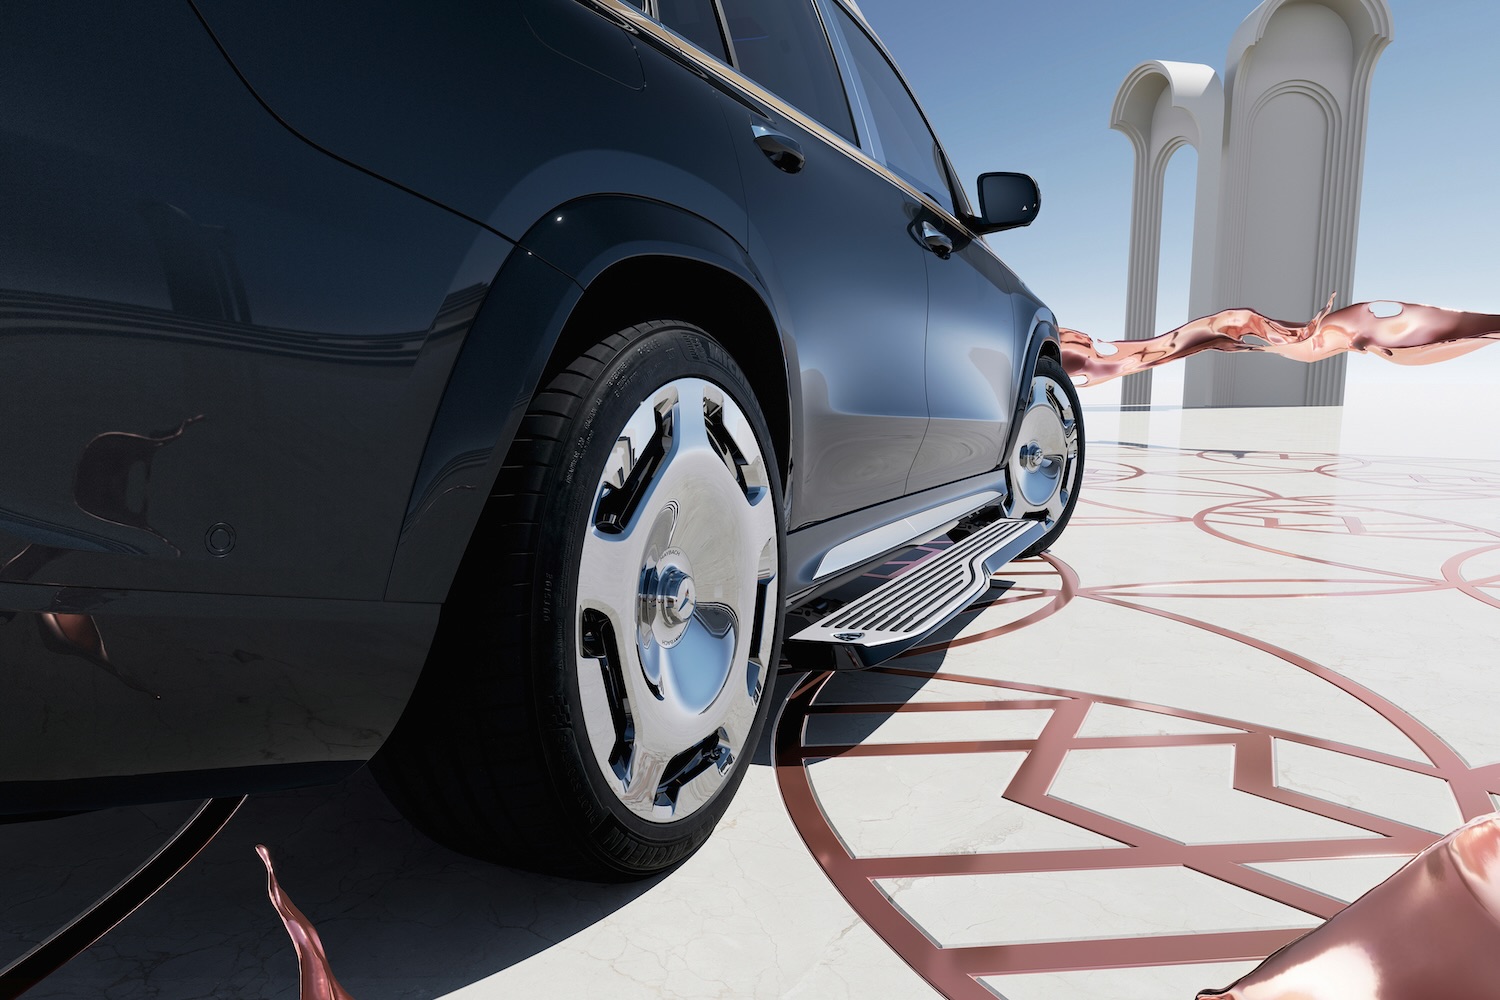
x=1161, y=107
x=1297, y=92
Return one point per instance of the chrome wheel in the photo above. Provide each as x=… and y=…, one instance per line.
x=676, y=600
x=597, y=681
x=1046, y=462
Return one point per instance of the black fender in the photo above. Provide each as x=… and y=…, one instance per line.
x=521, y=327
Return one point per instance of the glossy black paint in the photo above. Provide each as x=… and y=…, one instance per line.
x=500, y=111
x=856, y=318
x=1006, y=201
x=203, y=321
x=971, y=374
x=276, y=284
x=189, y=683
x=180, y=267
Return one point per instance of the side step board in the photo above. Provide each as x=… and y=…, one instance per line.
x=903, y=611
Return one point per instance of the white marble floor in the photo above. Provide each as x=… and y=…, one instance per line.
x=1252, y=680
x=1255, y=675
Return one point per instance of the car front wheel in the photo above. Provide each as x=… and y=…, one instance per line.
x=1045, y=465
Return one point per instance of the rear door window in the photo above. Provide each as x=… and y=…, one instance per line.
x=781, y=45
x=907, y=145
x=697, y=21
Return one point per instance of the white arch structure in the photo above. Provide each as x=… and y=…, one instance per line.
x=1161, y=107
x=1280, y=171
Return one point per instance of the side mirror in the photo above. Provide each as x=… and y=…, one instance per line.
x=1006, y=201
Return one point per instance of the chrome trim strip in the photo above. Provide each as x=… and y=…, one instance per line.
x=893, y=534
x=734, y=57
x=956, y=190
x=638, y=22
x=854, y=84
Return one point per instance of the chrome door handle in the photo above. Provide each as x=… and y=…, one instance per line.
x=934, y=240
x=784, y=152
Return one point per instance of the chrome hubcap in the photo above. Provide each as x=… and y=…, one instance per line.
x=1044, y=463
x=676, y=600
x=667, y=598
x=1033, y=459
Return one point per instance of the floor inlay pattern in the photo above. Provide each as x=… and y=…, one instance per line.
x=1253, y=674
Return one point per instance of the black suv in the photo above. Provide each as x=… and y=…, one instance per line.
x=482, y=384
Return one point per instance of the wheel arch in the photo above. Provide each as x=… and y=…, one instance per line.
x=1042, y=339
x=586, y=269
x=706, y=294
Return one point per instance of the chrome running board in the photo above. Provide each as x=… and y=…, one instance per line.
x=901, y=612
x=903, y=531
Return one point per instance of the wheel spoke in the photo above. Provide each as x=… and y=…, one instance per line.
x=751, y=464
x=1057, y=504
x=609, y=577
x=701, y=787
x=741, y=717
x=634, y=466
x=763, y=636
x=639, y=432
x=689, y=429
x=647, y=769
x=761, y=522
x=1011, y=507
x=605, y=707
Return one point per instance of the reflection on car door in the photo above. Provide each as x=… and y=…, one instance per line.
x=972, y=354
x=846, y=275
x=971, y=334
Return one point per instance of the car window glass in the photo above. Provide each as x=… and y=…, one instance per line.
x=907, y=144
x=781, y=45
x=697, y=21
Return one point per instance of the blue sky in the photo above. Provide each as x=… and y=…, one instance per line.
x=1029, y=86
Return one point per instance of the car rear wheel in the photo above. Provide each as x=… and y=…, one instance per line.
x=1045, y=465
x=599, y=681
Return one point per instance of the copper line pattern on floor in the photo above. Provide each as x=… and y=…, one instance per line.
x=1233, y=507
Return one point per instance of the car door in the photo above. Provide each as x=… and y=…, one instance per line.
x=973, y=342
x=833, y=241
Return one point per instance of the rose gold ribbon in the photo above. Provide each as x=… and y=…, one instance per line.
x=318, y=982
x=1414, y=335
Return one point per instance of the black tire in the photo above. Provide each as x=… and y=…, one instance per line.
x=1062, y=400
x=493, y=756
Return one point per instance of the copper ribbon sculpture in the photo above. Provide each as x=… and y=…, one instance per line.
x=1408, y=334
